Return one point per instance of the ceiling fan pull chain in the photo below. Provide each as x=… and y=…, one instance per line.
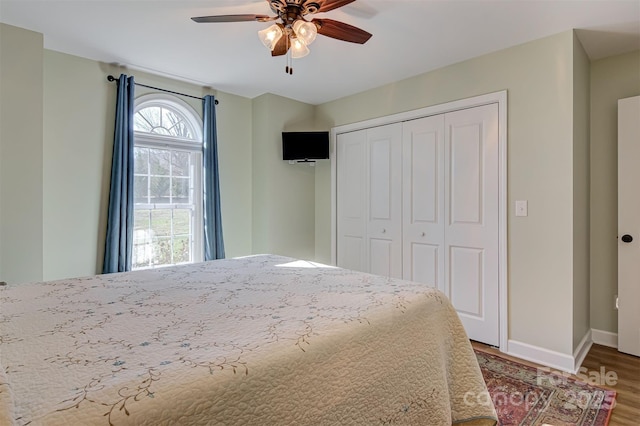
x=288, y=55
x=289, y=68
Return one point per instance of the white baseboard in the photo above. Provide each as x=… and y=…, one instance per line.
x=546, y=357
x=581, y=351
x=605, y=338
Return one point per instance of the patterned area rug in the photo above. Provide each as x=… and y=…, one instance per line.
x=526, y=396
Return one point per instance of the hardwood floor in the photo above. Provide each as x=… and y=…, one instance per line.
x=627, y=385
x=627, y=367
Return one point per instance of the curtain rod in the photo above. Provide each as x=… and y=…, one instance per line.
x=112, y=78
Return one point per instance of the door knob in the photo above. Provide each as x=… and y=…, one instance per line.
x=626, y=238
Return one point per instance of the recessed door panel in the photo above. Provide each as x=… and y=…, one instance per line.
x=466, y=166
x=352, y=181
x=424, y=176
x=381, y=256
x=466, y=280
x=425, y=261
x=352, y=255
x=380, y=171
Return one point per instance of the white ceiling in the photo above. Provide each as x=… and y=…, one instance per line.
x=409, y=37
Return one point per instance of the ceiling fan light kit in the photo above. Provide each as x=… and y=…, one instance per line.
x=270, y=36
x=305, y=31
x=294, y=33
x=299, y=48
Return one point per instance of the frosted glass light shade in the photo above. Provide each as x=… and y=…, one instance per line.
x=306, y=31
x=270, y=36
x=299, y=48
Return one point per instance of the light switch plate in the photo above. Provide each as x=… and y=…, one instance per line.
x=522, y=208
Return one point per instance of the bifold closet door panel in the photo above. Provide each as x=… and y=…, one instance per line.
x=352, y=201
x=423, y=201
x=369, y=200
x=384, y=225
x=472, y=219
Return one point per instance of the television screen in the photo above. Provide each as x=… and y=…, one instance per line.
x=305, y=145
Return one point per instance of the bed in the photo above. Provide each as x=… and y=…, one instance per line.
x=258, y=340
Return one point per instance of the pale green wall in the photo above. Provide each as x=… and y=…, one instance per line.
x=56, y=157
x=323, y=212
x=283, y=194
x=77, y=140
x=611, y=79
x=539, y=79
x=234, y=120
x=581, y=111
x=21, y=156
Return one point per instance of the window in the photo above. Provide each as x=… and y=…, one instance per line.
x=167, y=183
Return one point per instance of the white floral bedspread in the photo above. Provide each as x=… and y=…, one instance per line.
x=261, y=340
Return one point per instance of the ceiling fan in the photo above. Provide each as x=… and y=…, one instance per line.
x=292, y=33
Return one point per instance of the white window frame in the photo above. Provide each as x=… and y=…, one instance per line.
x=147, y=140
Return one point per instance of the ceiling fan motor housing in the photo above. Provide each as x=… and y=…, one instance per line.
x=290, y=11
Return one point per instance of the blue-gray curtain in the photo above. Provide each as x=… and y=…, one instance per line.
x=118, y=245
x=213, y=241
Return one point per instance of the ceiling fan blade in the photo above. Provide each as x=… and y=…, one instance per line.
x=341, y=31
x=282, y=47
x=333, y=4
x=233, y=18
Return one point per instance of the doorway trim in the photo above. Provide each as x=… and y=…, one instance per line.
x=490, y=98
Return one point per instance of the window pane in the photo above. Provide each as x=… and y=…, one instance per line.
x=180, y=190
x=159, y=160
x=181, y=250
x=183, y=130
x=161, y=131
x=175, y=124
x=181, y=222
x=162, y=251
x=160, y=189
x=141, y=189
x=142, y=248
x=150, y=115
x=161, y=222
x=180, y=162
x=141, y=219
x=169, y=120
x=141, y=160
x=141, y=123
x=142, y=255
x=165, y=121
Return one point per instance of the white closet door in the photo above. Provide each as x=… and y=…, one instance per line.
x=384, y=227
x=352, y=201
x=423, y=201
x=472, y=219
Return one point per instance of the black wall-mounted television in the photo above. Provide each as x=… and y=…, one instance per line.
x=305, y=146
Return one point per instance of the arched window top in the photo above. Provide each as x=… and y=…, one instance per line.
x=162, y=116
